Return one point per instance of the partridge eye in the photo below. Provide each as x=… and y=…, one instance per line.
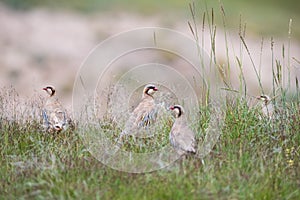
x=177, y=107
x=151, y=87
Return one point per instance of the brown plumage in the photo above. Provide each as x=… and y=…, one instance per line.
x=144, y=114
x=267, y=106
x=54, y=115
x=182, y=138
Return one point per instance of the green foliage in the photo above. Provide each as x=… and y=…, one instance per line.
x=253, y=159
x=247, y=163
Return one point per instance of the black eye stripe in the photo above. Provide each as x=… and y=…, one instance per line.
x=149, y=88
x=52, y=90
x=179, y=109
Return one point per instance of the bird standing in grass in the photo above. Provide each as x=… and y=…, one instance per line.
x=182, y=138
x=55, y=118
x=267, y=106
x=144, y=114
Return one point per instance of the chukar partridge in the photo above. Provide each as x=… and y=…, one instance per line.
x=182, y=138
x=267, y=106
x=144, y=114
x=54, y=115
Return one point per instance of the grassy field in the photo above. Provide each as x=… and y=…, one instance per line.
x=254, y=158
x=262, y=17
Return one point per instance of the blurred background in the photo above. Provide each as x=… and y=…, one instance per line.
x=45, y=42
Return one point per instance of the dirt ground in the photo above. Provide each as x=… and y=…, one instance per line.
x=44, y=47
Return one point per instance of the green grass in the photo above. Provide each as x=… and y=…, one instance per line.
x=253, y=159
x=268, y=17
x=245, y=164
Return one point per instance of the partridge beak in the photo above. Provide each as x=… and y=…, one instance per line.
x=172, y=108
x=44, y=88
x=155, y=89
x=258, y=97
